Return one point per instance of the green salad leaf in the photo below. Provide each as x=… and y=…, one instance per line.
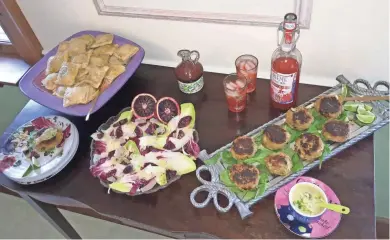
x=293, y=132
x=224, y=178
x=344, y=116
x=213, y=160
x=227, y=158
x=289, y=151
x=324, y=153
x=258, y=138
x=297, y=163
x=318, y=122
x=264, y=175
x=313, y=129
x=259, y=156
x=261, y=189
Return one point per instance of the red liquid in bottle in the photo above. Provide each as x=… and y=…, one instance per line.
x=286, y=65
x=284, y=92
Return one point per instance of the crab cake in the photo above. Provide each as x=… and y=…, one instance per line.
x=244, y=176
x=275, y=137
x=335, y=130
x=329, y=106
x=299, y=118
x=50, y=143
x=279, y=164
x=309, y=146
x=243, y=147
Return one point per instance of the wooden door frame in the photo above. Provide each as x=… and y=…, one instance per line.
x=19, y=32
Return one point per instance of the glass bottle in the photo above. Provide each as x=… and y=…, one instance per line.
x=286, y=64
x=189, y=72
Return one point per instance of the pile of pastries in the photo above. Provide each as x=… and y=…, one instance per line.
x=85, y=66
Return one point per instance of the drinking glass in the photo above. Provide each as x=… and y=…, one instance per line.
x=246, y=66
x=235, y=90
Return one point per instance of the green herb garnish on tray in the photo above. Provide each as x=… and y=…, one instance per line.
x=213, y=159
x=227, y=158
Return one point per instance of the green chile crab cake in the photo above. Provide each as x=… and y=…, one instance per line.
x=309, y=146
x=246, y=177
x=329, y=106
x=243, y=147
x=335, y=130
x=279, y=163
x=275, y=137
x=47, y=139
x=299, y=118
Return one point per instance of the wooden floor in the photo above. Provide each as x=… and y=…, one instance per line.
x=12, y=69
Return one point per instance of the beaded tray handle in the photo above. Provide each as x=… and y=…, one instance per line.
x=214, y=187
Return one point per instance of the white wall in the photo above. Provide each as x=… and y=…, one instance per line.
x=345, y=36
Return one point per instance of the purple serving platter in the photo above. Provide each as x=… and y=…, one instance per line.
x=43, y=97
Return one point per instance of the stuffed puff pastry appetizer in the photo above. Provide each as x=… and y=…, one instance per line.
x=85, y=64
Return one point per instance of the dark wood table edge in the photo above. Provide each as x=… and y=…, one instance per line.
x=50, y=213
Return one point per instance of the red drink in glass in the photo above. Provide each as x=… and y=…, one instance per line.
x=235, y=90
x=246, y=66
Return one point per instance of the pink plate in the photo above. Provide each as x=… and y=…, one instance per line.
x=322, y=228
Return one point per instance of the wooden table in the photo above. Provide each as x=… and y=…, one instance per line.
x=169, y=212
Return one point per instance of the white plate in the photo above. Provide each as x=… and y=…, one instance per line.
x=54, y=171
x=52, y=167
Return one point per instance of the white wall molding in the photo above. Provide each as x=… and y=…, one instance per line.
x=303, y=9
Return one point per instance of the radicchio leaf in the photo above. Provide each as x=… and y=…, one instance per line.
x=99, y=147
x=7, y=162
x=42, y=122
x=192, y=148
x=148, y=186
x=66, y=134
x=102, y=172
x=134, y=188
x=151, y=128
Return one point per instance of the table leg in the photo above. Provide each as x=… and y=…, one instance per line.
x=53, y=216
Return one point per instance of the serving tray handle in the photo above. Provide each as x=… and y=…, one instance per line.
x=367, y=89
x=213, y=187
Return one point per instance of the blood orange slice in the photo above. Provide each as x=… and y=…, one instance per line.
x=166, y=109
x=144, y=105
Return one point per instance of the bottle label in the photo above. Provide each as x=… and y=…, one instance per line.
x=282, y=87
x=191, y=87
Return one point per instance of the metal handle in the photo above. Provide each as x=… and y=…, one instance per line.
x=212, y=191
x=382, y=83
x=366, y=89
x=197, y=190
x=204, y=168
x=197, y=56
